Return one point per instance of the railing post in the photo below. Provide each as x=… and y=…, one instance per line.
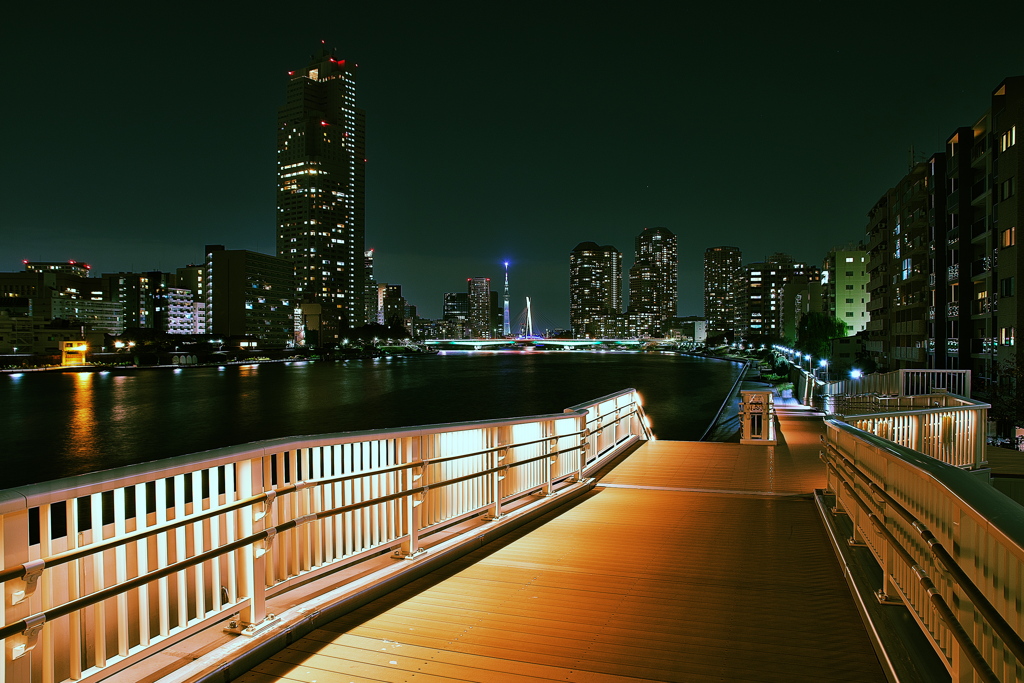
x=498, y=458
x=253, y=565
x=980, y=420
x=415, y=477
x=13, y=551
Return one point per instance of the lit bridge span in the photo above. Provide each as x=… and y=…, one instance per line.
x=554, y=343
x=569, y=547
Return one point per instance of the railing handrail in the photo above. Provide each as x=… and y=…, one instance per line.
x=974, y=405
x=18, y=571
x=986, y=504
x=32, y=495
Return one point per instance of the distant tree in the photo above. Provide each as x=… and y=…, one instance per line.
x=1007, y=402
x=816, y=331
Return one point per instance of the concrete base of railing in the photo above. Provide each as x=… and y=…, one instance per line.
x=218, y=657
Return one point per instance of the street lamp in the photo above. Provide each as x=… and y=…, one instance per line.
x=855, y=374
x=823, y=363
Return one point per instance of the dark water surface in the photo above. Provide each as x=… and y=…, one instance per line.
x=59, y=424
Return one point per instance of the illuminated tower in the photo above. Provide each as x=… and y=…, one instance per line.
x=507, y=331
x=320, y=191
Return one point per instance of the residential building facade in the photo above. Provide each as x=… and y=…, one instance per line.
x=321, y=160
x=595, y=289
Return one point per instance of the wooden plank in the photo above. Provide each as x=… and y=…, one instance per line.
x=631, y=584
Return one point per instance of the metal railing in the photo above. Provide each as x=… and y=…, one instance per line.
x=904, y=383
x=102, y=569
x=945, y=427
x=951, y=549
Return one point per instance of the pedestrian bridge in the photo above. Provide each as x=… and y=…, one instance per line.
x=559, y=547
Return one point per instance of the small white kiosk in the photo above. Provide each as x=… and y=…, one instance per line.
x=757, y=417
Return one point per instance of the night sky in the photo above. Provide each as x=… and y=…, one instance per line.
x=136, y=134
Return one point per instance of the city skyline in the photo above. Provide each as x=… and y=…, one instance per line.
x=494, y=135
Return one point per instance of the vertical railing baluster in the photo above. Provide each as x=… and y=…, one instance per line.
x=121, y=571
x=99, y=616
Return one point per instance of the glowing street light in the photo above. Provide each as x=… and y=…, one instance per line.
x=855, y=374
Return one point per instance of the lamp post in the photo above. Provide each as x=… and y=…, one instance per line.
x=823, y=363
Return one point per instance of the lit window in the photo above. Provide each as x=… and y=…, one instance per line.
x=1008, y=139
x=1008, y=237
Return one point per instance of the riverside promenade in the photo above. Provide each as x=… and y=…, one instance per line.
x=689, y=561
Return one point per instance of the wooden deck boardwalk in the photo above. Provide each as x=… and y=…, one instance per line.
x=690, y=562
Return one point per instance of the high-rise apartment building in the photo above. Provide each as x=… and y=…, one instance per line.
x=653, y=280
x=595, y=289
x=480, y=315
x=320, y=192
x=456, y=315
x=942, y=253
x=844, y=279
x=250, y=295
x=763, y=305
x=723, y=270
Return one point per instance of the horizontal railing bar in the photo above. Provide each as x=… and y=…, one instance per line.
x=18, y=571
x=1003, y=629
x=34, y=495
x=939, y=603
x=1006, y=632
x=113, y=591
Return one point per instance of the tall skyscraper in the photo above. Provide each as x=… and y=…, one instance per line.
x=479, y=291
x=723, y=268
x=595, y=288
x=320, y=192
x=653, y=279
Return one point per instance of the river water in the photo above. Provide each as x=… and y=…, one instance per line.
x=58, y=424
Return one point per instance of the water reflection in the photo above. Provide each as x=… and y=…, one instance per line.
x=82, y=420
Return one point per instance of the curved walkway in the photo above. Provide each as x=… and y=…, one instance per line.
x=689, y=562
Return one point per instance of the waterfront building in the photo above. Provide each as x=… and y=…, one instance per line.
x=35, y=334
x=60, y=292
x=764, y=283
x=92, y=314
x=595, y=289
x=481, y=323
x=942, y=252
x=371, y=297
x=321, y=159
x=455, y=316
x=250, y=295
x=70, y=267
x=391, y=305
x=688, y=328
x=898, y=264
x=723, y=271
x=844, y=279
x=138, y=295
x=653, y=280
x=192, y=279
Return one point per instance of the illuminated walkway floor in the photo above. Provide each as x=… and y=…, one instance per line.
x=690, y=562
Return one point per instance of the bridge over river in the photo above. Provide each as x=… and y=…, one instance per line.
x=569, y=547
